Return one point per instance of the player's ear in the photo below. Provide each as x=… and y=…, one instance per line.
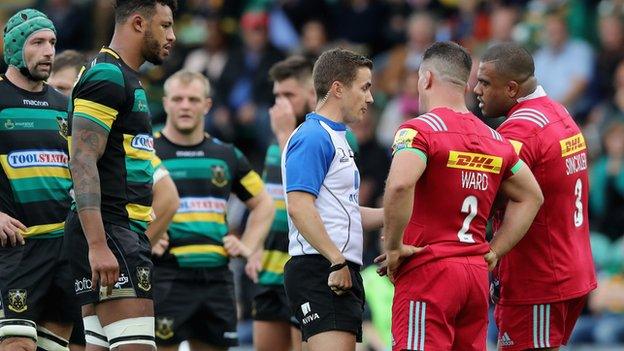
x=512, y=88
x=337, y=89
x=208, y=105
x=428, y=79
x=139, y=24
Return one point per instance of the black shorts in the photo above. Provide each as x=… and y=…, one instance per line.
x=195, y=303
x=315, y=306
x=35, y=282
x=133, y=253
x=271, y=304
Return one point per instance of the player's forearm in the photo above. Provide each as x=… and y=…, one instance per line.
x=517, y=221
x=165, y=204
x=398, y=202
x=259, y=223
x=308, y=222
x=372, y=218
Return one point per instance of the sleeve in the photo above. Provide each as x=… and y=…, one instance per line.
x=515, y=133
x=513, y=162
x=159, y=169
x=308, y=156
x=408, y=138
x=100, y=94
x=247, y=183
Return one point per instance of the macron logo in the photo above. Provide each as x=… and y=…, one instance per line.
x=505, y=340
x=35, y=103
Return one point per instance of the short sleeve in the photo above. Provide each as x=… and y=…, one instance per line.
x=99, y=94
x=247, y=182
x=308, y=157
x=159, y=169
x=515, y=133
x=408, y=138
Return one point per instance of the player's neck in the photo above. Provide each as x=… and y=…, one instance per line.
x=14, y=76
x=331, y=112
x=447, y=98
x=179, y=138
x=129, y=51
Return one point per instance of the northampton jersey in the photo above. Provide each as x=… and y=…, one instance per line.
x=553, y=261
x=109, y=94
x=204, y=174
x=34, y=179
x=466, y=163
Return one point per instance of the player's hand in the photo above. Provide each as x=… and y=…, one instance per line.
x=104, y=267
x=235, y=247
x=11, y=231
x=390, y=261
x=340, y=281
x=254, y=265
x=492, y=259
x=161, y=246
x=283, y=119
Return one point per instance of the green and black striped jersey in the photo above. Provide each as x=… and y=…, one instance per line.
x=109, y=93
x=205, y=175
x=34, y=179
x=276, y=245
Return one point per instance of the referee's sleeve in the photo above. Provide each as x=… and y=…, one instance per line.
x=308, y=157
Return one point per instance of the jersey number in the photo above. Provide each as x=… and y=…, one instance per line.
x=578, y=213
x=470, y=208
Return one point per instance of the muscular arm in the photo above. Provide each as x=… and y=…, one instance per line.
x=259, y=222
x=525, y=199
x=306, y=218
x=406, y=169
x=372, y=218
x=165, y=204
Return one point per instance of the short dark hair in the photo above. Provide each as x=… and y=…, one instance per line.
x=69, y=58
x=297, y=67
x=451, y=60
x=337, y=65
x=124, y=8
x=511, y=60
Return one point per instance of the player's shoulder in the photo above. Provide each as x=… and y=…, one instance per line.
x=430, y=122
x=104, y=68
x=531, y=116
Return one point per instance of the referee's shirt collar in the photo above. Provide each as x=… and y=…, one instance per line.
x=333, y=125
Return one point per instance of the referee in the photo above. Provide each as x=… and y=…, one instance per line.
x=321, y=180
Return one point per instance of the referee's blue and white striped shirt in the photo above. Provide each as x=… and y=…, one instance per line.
x=318, y=160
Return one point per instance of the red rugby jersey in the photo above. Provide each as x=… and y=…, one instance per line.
x=553, y=262
x=466, y=163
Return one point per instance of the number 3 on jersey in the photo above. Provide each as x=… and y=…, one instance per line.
x=469, y=206
x=578, y=212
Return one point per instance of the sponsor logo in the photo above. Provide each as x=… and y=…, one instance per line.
x=572, y=145
x=143, y=278
x=344, y=155
x=230, y=335
x=121, y=281
x=505, y=340
x=516, y=145
x=404, y=138
x=199, y=153
x=164, y=328
x=17, y=300
x=142, y=142
x=34, y=158
x=35, y=102
x=84, y=285
x=218, y=176
x=308, y=315
x=8, y=124
x=199, y=204
x=475, y=161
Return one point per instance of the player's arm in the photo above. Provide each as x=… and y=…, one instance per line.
x=525, y=199
x=372, y=218
x=165, y=203
x=10, y=231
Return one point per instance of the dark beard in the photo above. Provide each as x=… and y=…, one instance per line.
x=34, y=75
x=151, y=49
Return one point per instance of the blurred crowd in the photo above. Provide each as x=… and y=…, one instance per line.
x=578, y=46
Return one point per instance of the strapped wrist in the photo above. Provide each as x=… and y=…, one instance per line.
x=338, y=266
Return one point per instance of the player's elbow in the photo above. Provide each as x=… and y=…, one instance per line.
x=399, y=187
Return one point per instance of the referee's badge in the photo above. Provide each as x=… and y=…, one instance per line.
x=164, y=328
x=218, y=176
x=17, y=300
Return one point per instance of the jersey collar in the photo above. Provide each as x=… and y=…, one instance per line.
x=538, y=93
x=333, y=125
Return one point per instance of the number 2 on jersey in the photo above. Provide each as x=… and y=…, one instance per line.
x=578, y=212
x=469, y=206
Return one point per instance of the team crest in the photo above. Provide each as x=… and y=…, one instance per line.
x=17, y=300
x=218, y=176
x=143, y=277
x=164, y=328
x=63, y=126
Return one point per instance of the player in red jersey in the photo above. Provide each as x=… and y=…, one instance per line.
x=445, y=174
x=545, y=279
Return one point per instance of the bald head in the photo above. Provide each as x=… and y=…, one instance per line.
x=511, y=61
x=450, y=61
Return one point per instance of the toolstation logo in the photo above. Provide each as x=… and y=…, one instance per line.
x=38, y=158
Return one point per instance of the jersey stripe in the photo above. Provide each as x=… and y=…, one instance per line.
x=527, y=118
x=431, y=119
x=439, y=120
x=535, y=112
x=421, y=118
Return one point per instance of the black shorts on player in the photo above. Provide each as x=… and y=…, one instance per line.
x=133, y=252
x=35, y=282
x=315, y=306
x=271, y=304
x=195, y=303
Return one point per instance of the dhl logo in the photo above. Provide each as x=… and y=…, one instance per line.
x=572, y=145
x=475, y=162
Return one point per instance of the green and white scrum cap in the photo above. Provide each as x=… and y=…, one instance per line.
x=17, y=30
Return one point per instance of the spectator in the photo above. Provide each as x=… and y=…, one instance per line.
x=398, y=110
x=502, y=23
x=610, y=53
x=313, y=39
x=65, y=69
